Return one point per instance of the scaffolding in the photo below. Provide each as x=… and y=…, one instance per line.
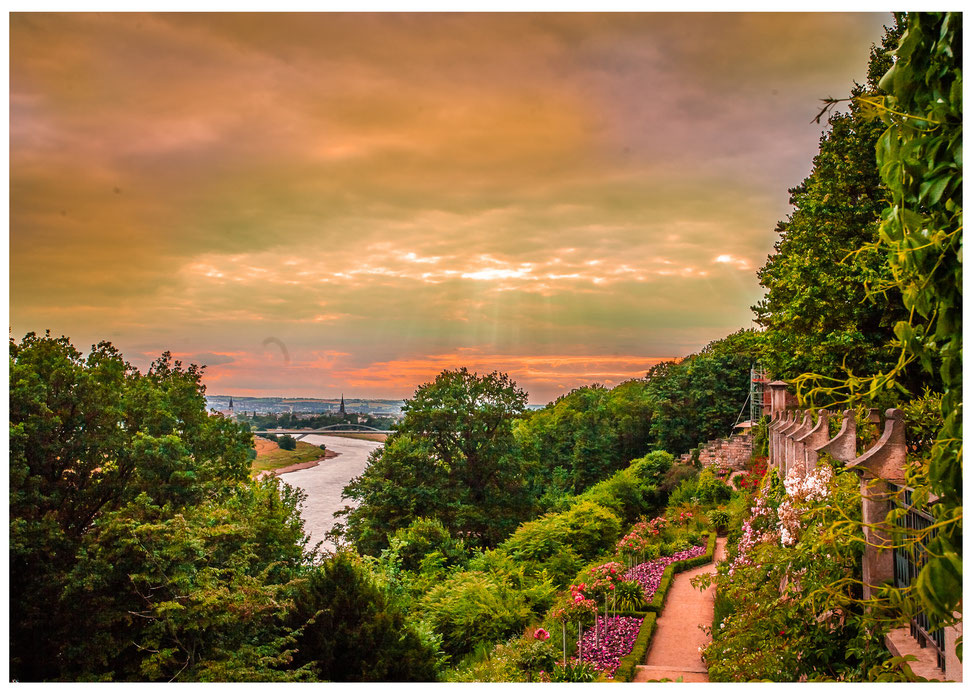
x=756, y=393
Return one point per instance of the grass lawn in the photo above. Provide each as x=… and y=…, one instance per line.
x=271, y=456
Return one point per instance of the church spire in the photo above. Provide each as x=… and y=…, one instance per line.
x=343, y=411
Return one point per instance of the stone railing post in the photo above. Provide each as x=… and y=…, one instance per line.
x=820, y=435
x=788, y=422
x=774, y=424
x=843, y=446
x=883, y=463
x=794, y=446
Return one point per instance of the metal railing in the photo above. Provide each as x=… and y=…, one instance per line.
x=909, y=557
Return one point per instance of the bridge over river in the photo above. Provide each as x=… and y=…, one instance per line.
x=335, y=429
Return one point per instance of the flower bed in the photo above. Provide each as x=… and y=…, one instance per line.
x=617, y=634
x=650, y=573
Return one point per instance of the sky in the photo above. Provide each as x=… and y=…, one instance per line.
x=317, y=204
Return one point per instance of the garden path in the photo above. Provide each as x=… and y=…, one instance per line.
x=674, y=652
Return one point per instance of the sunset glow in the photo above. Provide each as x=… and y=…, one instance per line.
x=569, y=198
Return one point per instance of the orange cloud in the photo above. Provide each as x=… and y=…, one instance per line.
x=543, y=376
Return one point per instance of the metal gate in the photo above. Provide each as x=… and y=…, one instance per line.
x=909, y=561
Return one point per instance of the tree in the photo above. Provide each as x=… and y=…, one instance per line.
x=817, y=314
x=350, y=632
x=584, y=436
x=700, y=397
x=456, y=454
x=139, y=549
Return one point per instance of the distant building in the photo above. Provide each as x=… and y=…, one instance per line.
x=343, y=410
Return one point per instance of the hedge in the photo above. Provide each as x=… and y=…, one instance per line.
x=660, y=596
x=628, y=664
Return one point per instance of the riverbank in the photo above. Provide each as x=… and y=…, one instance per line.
x=279, y=471
x=271, y=460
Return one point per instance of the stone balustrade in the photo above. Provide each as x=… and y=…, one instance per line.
x=795, y=443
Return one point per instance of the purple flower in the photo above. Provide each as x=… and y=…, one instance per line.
x=617, y=635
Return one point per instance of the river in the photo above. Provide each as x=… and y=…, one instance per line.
x=325, y=482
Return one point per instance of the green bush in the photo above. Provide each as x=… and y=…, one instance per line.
x=287, y=442
x=711, y=490
x=685, y=491
x=719, y=519
x=425, y=536
x=472, y=607
x=349, y=631
x=629, y=596
x=586, y=530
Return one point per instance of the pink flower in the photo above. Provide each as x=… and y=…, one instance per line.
x=541, y=634
x=578, y=598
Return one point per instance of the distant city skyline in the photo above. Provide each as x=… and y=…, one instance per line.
x=327, y=203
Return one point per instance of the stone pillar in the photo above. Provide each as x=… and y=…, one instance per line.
x=785, y=443
x=774, y=424
x=777, y=396
x=884, y=462
x=794, y=457
x=777, y=443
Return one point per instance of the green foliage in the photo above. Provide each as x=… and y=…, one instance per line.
x=710, y=489
x=920, y=156
x=286, y=442
x=578, y=671
x=583, y=437
x=137, y=542
x=349, y=631
x=483, y=606
x=699, y=398
x=720, y=519
x=453, y=459
x=629, y=596
x=423, y=540
x=587, y=529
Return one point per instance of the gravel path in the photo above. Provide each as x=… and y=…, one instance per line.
x=674, y=652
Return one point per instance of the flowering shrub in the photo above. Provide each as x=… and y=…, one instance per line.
x=616, y=637
x=756, y=472
x=759, y=527
x=788, y=608
x=802, y=491
x=574, y=607
x=604, y=579
x=642, y=534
